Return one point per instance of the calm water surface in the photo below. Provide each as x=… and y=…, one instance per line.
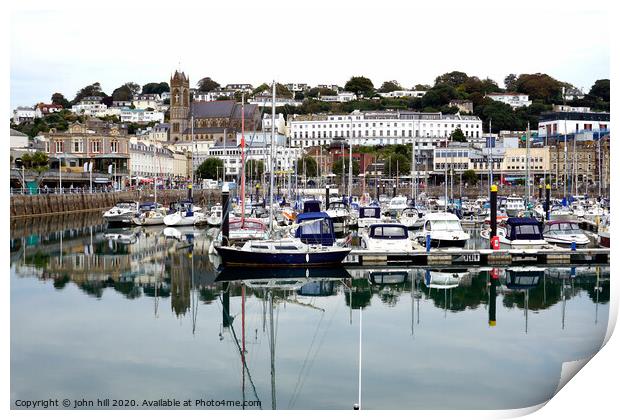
x=137, y=314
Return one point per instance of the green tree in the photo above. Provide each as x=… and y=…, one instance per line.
x=510, y=82
x=59, y=99
x=457, y=135
x=360, y=85
x=310, y=166
x=470, y=177
x=454, y=79
x=339, y=165
x=600, y=89
x=155, y=88
x=540, y=86
x=315, y=92
x=398, y=161
x=281, y=90
x=254, y=168
x=390, y=86
x=123, y=93
x=90, y=90
x=206, y=84
x=211, y=168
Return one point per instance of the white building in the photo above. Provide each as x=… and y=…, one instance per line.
x=515, y=100
x=140, y=116
x=18, y=140
x=340, y=97
x=297, y=87
x=243, y=87
x=90, y=106
x=214, y=95
x=23, y=113
x=153, y=159
x=553, y=124
x=150, y=100
x=265, y=101
x=380, y=128
x=403, y=94
x=280, y=123
x=258, y=147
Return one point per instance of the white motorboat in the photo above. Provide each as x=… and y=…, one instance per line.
x=215, y=217
x=339, y=214
x=397, y=205
x=150, y=214
x=519, y=233
x=410, y=217
x=186, y=215
x=445, y=230
x=368, y=216
x=514, y=206
x=386, y=237
x=122, y=213
x=564, y=233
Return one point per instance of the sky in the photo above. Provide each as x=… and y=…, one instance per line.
x=63, y=46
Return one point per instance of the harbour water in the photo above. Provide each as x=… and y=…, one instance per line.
x=134, y=315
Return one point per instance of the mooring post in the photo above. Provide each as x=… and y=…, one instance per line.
x=326, y=198
x=540, y=190
x=377, y=196
x=493, y=204
x=225, y=211
x=547, y=201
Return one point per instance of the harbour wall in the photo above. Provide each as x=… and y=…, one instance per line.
x=44, y=204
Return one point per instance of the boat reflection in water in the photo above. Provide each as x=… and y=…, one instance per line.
x=289, y=338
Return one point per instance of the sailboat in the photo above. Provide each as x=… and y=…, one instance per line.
x=150, y=213
x=280, y=252
x=245, y=228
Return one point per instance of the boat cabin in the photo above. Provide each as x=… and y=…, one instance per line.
x=321, y=231
x=562, y=227
x=388, y=231
x=523, y=228
x=149, y=205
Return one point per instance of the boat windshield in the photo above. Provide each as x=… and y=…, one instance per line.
x=446, y=225
x=526, y=230
x=369, y=212
x=565, y=228
x=316, y=228
x=389, y=232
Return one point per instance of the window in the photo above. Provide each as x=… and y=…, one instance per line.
x=96, y=146
x=78, y=146
x=114, y=146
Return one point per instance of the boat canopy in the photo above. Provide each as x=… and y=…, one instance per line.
x=320, y=232
x=388, y=231
x=525, y=228
x=370, y=212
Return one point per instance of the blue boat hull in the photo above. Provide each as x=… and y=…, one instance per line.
x=237, y=257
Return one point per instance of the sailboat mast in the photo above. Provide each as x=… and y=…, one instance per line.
x=527, y=167
x=242, y=159
x=271, y=156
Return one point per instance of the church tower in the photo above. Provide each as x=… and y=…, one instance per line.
x=179, y=105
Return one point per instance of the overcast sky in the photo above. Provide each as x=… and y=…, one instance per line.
x=61, y=47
